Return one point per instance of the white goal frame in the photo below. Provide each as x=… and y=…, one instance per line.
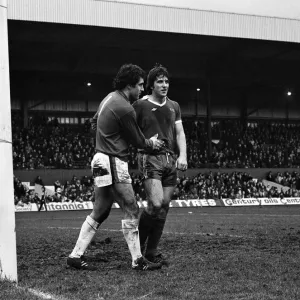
x=8, y=254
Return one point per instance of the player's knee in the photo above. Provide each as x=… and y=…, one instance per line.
x=100, y=216
x=131, y=211
x=156, y=209
x=165, y=207
x=160, y=210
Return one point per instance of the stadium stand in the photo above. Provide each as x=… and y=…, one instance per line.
x=259, y=144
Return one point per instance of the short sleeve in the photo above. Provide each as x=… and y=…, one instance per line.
x=177, y=113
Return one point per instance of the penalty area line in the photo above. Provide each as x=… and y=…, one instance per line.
x=166, y=232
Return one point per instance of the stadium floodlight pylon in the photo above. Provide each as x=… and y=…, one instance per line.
x=8, y=256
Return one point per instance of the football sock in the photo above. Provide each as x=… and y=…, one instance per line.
x=131, y=234
x=87, y=232
x=155, y=235
x=144, y=228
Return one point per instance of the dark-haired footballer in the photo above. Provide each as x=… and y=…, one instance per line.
x=116, y=128
x=156, y=113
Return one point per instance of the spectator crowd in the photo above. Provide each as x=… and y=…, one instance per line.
x=218, y=185
x=260, y=144
x=45, y=144
x=74, y=190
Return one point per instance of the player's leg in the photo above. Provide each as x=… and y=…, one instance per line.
x=153, y=218
x=160, y=194
x=103, y=203
x=154, y=192
x=93, y=242
x=150, y=166
x=159, y=221
x=124, y=196
x=101, y=210
x=40, y=206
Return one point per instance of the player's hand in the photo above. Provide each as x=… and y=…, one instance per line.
x=181, y=163
x=98, y=168
x=97, y=163
x=157, y=144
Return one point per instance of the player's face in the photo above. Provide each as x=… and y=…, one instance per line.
x=160, y=86
x=136, y=90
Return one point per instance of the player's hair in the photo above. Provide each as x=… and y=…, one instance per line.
x=128, y=74
x=158, y=70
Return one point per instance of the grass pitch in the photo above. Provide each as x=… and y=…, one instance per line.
x=215, y=253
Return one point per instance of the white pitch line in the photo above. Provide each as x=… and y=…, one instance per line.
x=250, y=215
x=142, y=297
x=165, y=232
x=227, y=214
x=190, y=215
x=40, y=294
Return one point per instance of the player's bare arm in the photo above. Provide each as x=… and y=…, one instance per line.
x=181, y=163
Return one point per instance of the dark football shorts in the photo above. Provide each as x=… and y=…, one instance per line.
x=161, y=167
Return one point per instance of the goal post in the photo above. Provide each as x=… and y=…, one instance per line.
x=8, y=255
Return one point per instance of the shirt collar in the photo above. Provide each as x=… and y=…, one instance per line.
x=158, y=104
x=123, y=95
